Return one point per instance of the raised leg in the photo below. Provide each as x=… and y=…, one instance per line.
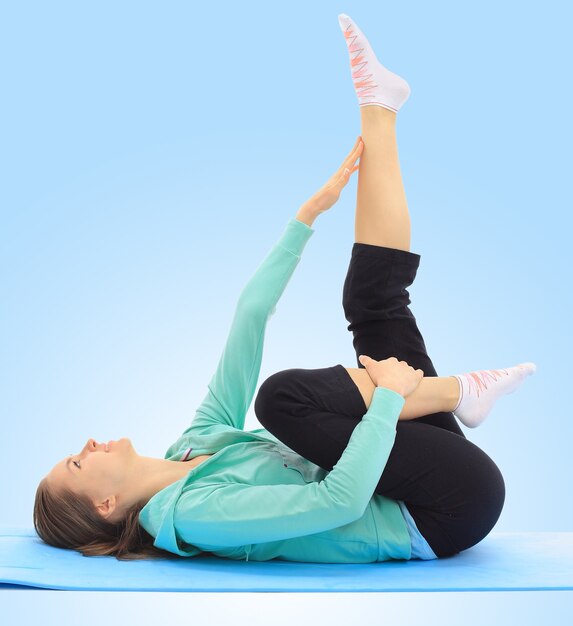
x=382, y=217
x=375, y=296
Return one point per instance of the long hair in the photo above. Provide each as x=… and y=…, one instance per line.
x=65, y=519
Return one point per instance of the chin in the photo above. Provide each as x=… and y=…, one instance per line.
x=124, y=442
x=128, y=442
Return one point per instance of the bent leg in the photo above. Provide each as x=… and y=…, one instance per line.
x=453, y=490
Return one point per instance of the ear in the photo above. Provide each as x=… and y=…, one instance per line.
x=107, y=507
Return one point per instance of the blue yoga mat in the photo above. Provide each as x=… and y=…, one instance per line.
x=501, y=562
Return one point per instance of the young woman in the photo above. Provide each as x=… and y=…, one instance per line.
x=353, y=464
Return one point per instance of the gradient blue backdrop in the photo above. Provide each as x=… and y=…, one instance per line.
x=152, y=153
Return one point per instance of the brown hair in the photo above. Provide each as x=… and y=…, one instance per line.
x=65, y=519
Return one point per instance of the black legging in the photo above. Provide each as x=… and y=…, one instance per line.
x=453, y=490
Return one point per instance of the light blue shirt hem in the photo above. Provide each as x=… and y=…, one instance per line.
x=420, y=547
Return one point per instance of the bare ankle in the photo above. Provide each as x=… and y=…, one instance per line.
x=452, y=392
x=378, y=112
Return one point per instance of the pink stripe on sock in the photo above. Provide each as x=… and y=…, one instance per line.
x=359, y=73
x=357, y=60
x=364, y=83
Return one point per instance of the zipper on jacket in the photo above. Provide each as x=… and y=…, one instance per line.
x=248, y=551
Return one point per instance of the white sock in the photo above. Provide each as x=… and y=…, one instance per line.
x=480, y=390
x=374, y=84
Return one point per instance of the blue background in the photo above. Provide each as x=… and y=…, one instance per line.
x=151, y=153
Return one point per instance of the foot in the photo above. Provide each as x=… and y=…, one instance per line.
x=480, y=390
x=374, y=84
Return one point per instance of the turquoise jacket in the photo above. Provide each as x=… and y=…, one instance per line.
x=257, y=499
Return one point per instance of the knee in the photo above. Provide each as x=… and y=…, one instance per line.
x=490, y=490
x=495, y=498
x=487, y=497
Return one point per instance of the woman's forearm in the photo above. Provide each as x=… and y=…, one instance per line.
x=434, y=394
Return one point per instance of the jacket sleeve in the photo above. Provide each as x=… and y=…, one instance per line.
x=238, y=514
x=233, y=384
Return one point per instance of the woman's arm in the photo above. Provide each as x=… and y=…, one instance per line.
x=233, y=385
x=307, y=214
x=235, y=514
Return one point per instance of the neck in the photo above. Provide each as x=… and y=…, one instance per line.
x=151, y=475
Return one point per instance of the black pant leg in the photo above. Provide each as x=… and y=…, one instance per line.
x=375, y=301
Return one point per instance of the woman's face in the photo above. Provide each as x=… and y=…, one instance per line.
x=98, y=470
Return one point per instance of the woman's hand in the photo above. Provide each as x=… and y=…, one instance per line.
x=329, y=194
x=392, y=374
